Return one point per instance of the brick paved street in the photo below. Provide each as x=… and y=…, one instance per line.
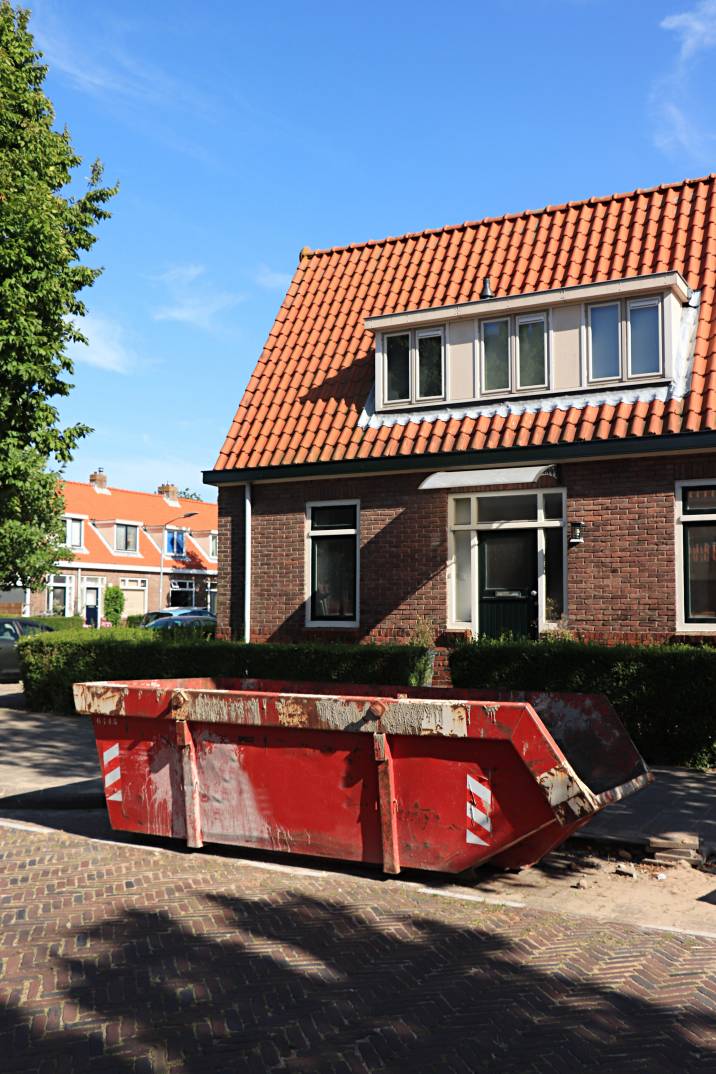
x=131, y=959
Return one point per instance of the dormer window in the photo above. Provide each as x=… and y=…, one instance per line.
x=600, y=337
x=625, y=340
x=73, y=535
x=414, y=366
x=175, y=542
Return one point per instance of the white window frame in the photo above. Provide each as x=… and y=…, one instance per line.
x=330, y=624
x=429, y=333
x=588, y=320
x=684, y=626
x=183, y=585
x=212, y=588
x=167, y=550
x=540, y=523
x=214, y=543
x=484, y=393
x=413, y=397
x=126, y=526
x=68, y=585
x=624, y=308
x=409, y=397
x=531, y=318
x=641, y=303
x=72, y=520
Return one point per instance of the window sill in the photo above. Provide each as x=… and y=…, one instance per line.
x=331, y=624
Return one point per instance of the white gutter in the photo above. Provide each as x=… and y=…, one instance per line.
x=247, y=562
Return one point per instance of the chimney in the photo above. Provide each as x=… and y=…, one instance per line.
x=98, y=479
x=170, y=492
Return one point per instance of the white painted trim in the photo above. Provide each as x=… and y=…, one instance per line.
x=330, y=624
x=683, y=626
x=247, y=561
x=431, y=333
x=634, y=285
x=532, y=318
x=127, y=551
x=484, y=393
x=588, y=319
x=73, y=564
x=645, y=303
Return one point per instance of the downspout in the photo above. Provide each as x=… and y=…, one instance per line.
x=247, y=562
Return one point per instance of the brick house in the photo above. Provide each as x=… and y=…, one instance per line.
x=159, y=548
x=500, y=425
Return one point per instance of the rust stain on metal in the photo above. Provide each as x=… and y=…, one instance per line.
x=98, y=698
x=292, y=712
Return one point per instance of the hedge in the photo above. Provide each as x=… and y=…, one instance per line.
x=54, y=622
x=51, y=663
x=133, y=620
x=663, y=693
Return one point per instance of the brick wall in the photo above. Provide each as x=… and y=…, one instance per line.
x=621, y=581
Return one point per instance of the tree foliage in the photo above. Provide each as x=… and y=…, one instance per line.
x=113, y=604
x=45, y=230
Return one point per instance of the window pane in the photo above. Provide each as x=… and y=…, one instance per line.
x=532, y=365
x=506, y=565
x=506, y=508
x=554, y=570
x=701, y=571
x=430, y=366
x=131, y=538
x=644, y=337
x=74, y=532
x=333, y=581
x=398, y=362
x=700, y=499
x=604, y=321
x=58, y=598
x=333, y=517
x=497, y=356
x=462, y=512
x=553, y=505
x=463, y=577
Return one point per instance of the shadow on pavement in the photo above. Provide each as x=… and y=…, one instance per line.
x=295, y=983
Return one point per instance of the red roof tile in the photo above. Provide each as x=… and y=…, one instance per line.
x=312, y=381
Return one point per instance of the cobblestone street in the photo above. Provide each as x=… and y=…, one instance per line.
x=134, y=959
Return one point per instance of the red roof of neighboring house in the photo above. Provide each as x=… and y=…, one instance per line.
x=104, y=507
x=305, y=397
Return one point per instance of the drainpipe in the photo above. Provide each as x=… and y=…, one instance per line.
x=247, y=562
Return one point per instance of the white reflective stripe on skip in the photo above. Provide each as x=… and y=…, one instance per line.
x=111, y=753
x=480, y=818
x=111, y=777
x=480, y=790
x=470, y=837
x=116, y=797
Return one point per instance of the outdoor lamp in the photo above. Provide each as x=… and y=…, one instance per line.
x=575, y=533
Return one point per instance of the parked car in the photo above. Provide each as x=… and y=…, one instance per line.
x=10, y=631
x=173, y=613
x=204, y=624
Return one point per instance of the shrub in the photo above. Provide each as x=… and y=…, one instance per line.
x=55, y=622
x=661, y=692
x=133, y=620
x=113, y=604
x=51, y=663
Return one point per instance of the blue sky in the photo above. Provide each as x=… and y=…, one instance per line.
x=241, y=133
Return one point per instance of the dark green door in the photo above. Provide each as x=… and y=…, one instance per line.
x=508, y=583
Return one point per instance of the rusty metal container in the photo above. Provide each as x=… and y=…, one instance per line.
x=424, y=778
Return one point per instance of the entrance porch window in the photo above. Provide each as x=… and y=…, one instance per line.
x=59, y=600
x=507, y=561
x=181, y=593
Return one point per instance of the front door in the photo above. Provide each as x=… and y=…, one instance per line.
x=508, y=583
x=92, y=606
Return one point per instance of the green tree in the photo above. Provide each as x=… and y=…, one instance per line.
x=113, y=604
x=45, y=229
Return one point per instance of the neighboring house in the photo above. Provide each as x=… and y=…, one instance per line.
x=142, y=542
x=507, y=425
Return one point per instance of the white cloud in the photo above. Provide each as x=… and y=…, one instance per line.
x=106, y=347
x=268, y=278
x=192, y=299
x=697, y=28
x=678, y=129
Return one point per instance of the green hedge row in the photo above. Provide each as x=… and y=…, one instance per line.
x=51, y=663
x=133, y=620
x=663, y=693
x=55, y=622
